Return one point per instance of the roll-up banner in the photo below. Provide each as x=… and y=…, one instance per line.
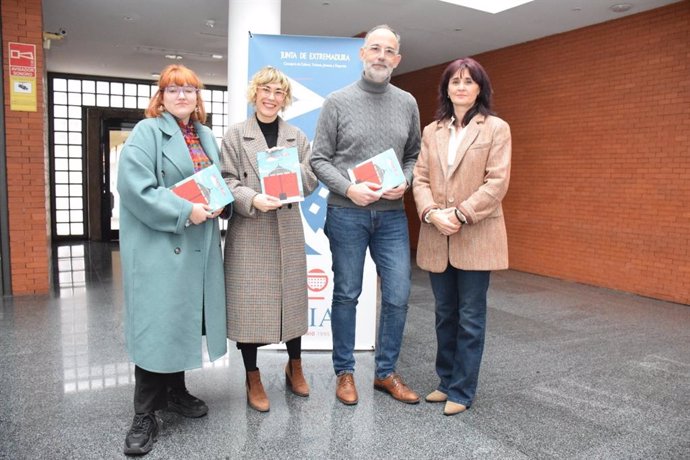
x=317, y=66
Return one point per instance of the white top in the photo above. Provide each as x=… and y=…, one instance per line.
x=456, y=137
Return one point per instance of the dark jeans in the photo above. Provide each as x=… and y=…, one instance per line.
x=151, y=389
x=350, y=232
x=460, y=327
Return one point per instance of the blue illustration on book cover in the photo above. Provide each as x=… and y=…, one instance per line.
x=206, y=186
x=383, y=170
x=280, y=174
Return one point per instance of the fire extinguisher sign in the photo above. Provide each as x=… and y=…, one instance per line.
x=22, y=67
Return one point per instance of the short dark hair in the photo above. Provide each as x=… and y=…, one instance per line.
x=484, y=98
x=384, y=27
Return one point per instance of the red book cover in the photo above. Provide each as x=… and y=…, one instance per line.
x=190, y=191
x=206, y=187
x=366, y=172
x=281, y=186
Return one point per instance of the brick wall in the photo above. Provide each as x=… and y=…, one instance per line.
x=600, y=118
x=26, y=160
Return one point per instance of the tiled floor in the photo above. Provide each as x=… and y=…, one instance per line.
x=569, y=371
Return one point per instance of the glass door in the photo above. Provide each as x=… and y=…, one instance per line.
x=107, y=130
x=116, y=133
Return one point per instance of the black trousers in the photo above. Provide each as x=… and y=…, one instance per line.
x=151, y=389
x=249, y=352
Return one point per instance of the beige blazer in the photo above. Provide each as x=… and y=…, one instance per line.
x=476, y=184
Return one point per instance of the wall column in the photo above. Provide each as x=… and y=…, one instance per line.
x=26, y=160
x=244, y=16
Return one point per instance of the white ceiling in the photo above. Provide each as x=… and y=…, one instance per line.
x=120, y=37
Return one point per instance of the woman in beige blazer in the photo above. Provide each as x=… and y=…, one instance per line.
x=265, y=262
x=460, y=179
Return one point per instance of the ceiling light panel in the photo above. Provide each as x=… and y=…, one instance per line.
x=178, y=54
x=493, y=7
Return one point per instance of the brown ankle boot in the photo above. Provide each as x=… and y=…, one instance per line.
x=294, y=378
x=256, y=396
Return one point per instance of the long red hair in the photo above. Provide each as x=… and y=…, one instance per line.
x=177, y=75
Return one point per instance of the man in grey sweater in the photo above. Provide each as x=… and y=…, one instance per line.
x=355, y=124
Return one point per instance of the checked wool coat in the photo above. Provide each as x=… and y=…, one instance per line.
x=265, y=261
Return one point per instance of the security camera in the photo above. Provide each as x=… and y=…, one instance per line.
x=59, y=35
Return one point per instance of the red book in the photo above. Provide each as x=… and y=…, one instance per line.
x=383, y=170
x=206, y=187
x=281, y=174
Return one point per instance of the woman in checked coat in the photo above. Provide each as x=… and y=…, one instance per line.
x=265, y=261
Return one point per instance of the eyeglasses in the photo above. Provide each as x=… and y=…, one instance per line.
x=187, y=90
x=376, y=49
x=266, y=91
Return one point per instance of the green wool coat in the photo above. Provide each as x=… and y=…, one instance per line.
x=170, y=271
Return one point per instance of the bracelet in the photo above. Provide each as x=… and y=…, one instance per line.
x=460, y=216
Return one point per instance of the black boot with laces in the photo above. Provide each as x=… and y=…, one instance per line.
x=142, y=434
x=180, y=401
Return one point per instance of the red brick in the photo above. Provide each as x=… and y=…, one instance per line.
x=26, y=189
x=600, y=167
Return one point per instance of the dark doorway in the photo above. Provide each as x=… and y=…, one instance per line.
x=106, y=132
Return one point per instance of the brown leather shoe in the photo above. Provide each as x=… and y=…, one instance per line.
x=345, y=389
x=294, y=378
x=394, y=386
x=453, y=408
x=256, y=396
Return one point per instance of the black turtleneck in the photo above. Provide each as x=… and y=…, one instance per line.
x=270, y=132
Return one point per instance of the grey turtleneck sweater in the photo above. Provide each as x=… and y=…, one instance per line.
x=358, y=122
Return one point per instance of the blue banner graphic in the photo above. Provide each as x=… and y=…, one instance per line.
x=316, y=66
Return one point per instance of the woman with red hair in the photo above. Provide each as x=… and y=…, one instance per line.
x=171, y=257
